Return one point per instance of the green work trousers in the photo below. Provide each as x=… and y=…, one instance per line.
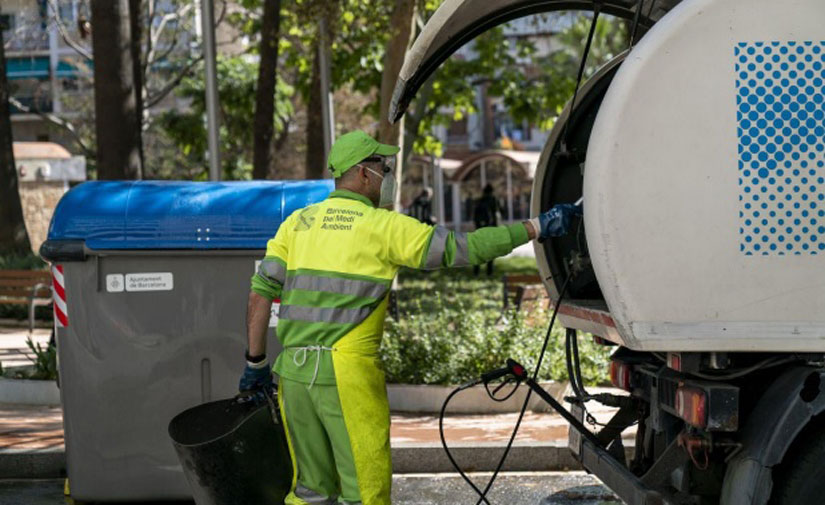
x=320, y=444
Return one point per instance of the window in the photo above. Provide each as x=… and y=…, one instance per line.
x=6, y=22
x=457, y=132
x=67, y=10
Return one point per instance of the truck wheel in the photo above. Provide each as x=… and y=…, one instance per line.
x=803, y=480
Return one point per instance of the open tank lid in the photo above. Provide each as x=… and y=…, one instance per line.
x=180, y=215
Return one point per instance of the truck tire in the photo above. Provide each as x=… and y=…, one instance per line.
x=803, y=480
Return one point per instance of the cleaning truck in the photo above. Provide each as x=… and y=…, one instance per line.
x=700, y=156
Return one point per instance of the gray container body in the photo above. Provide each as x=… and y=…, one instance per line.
x=130, y=361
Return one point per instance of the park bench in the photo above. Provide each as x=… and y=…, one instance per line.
x=26, y=287
x=520, y=288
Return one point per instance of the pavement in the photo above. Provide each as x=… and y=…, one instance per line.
x=533, y=488
x=13, y=349
x=32, y=446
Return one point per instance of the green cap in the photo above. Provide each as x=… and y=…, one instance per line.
x=352, y=148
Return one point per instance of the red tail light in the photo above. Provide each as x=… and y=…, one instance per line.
x=691, y=405
x=620, y=375
x=674, y=361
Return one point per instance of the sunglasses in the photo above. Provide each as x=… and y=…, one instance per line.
x=387, y=163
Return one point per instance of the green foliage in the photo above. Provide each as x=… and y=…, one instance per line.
x=358, y=31
x=25, y=262
x=540, y=99
x=451, y=329
x=236, y=88
x=45, y=361
x=533, y=88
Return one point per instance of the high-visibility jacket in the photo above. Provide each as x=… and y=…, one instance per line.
x=332, y=263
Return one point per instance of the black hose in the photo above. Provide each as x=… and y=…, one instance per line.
x=568, y=360
x=483, y=495
x=597, y=4
x=597, y=7
x=574, y=338
x=636, y=22
x=444, y=440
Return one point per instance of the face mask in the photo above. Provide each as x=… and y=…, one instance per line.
x=388, y=188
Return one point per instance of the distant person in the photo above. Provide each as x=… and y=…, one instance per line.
x=486, y=213
x=422, y=206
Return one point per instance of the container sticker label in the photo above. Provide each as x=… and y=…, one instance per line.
x=152, y=281
x=276, y=304
x=115, y=283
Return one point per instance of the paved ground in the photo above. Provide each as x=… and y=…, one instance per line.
x=546, y=488
x=37, y=428
x=13, y=349
x=31, y=428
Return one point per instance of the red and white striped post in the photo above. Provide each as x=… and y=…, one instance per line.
x=61, y=311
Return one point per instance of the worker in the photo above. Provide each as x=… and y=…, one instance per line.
x=331, y=264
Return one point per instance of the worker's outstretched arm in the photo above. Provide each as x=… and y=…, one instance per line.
x=458, y=249
x=421, y=246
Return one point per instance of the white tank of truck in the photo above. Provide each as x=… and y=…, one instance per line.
x=700, y=155
x=704, y=181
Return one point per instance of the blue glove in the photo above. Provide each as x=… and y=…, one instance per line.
x=556, y=221
x=256, y=378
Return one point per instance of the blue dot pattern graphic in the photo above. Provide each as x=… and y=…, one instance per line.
x=780, y=98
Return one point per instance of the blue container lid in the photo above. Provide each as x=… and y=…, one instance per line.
x=180, y=215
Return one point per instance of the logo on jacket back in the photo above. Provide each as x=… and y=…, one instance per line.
x=306, y=218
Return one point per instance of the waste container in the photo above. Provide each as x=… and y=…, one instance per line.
x=151, y=286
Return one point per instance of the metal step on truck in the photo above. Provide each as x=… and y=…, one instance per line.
x=700, y=156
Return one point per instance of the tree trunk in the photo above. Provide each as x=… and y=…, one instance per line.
x=135, y=24
x=265, y=92
x=13, y=236
x=401, y=21
x=315, y=124
x=116, y=114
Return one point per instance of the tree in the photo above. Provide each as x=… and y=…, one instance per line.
x=534, y=92
x=315, y=162
x=543, y=91
x=163, y=50
x=399, y=42
x=236, y=93
x=13, y=236
x=118, y=129
x=263, y=125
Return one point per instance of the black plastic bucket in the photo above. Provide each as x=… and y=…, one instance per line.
x=233, y=452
